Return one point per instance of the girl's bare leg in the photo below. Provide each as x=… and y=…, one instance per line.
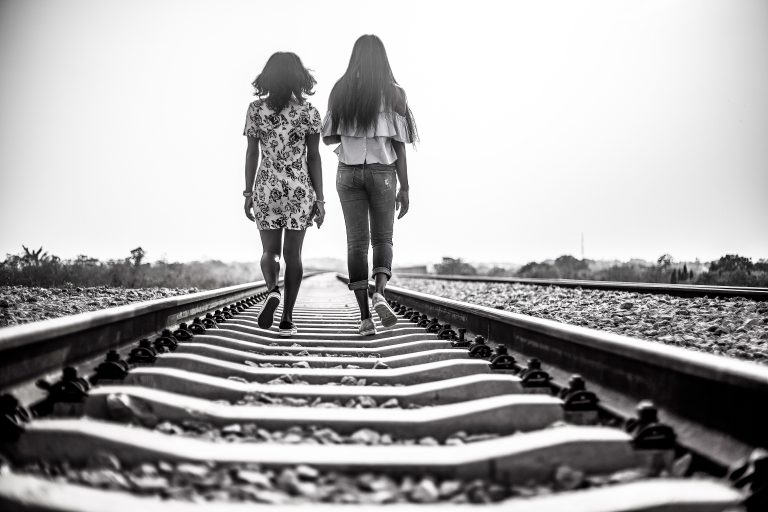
x=294, y=269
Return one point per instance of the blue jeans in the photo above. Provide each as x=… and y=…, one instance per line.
x=367, y=193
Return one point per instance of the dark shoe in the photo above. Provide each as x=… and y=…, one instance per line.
x=267, y=313
x=287, y=329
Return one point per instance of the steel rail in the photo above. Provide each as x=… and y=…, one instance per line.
x=714, y=403
x=679, y=290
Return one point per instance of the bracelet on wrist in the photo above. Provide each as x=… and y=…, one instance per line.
x=321, y=201
x=247, y=193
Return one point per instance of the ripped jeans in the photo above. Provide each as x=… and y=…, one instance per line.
x=367, y=193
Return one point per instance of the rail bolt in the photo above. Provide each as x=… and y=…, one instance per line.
x=647, y=431
x=534, y=363
x=197, y=327
x=424, y=322
x=502, y=360
x=751, y=475
x=433, y=325
x=218, y=316
x=461, y=342
x=415, y=317
x=579, y=404
x=13, y=417
x=227, y=313
x=113, y=368
x=66, y=396
x=446, y=333
x=167, y=339
x=208, y=321
x=167, y=333
x=408, y=313
x=145, y=353
x=534, y=377
x=157, y=344
x=479, y=349
x=183, y=333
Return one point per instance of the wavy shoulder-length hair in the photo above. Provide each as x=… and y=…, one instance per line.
x=356, y=97
x=283, y=77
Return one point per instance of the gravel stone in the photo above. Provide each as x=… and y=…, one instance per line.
x=390, y=404
x=568, y=479
x=105, y=479
x=196, y=470
x=307, y=472
x=449, y=488
x=257, y=478
x=102, y=460
x=366, y=402
x=734, y=327
x=24, y=304
x=149, y=484
x=365, y=436
x=425, y=492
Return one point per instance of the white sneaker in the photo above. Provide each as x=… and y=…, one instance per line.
x=386, y=314
x=367, y=327
x=288, y=329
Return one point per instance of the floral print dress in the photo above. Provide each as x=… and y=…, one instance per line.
x=283, y=196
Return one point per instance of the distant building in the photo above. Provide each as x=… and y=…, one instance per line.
x=416, y=269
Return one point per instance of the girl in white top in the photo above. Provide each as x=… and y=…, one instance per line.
x=368, y=116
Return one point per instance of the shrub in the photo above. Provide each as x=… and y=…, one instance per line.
x=37, y=268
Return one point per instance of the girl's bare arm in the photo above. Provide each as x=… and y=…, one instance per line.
x=315, y=167
x=251, y=164
x=402, y=200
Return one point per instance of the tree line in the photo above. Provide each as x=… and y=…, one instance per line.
x=35, y=267
x=729, y=270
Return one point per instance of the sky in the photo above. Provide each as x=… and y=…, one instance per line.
x=642, y=125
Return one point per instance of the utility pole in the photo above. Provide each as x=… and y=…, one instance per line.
x=582, y=245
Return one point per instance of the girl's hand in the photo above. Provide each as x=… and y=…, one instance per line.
x=249, y=209
x=402, y=202
x=318, y=212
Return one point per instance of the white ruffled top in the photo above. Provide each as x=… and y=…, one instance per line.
x=373, y=145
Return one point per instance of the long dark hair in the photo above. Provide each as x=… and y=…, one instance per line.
x=283, y=76
x=356, y=98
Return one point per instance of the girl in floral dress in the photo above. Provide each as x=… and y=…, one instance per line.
x=284, y=194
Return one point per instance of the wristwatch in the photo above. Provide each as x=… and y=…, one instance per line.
x=247, y=193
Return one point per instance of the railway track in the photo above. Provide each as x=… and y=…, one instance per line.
x=679, y=290
x=456, y=404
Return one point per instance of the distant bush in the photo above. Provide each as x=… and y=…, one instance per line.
x=735, y=270
x=455, y=267
x=37, y=268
